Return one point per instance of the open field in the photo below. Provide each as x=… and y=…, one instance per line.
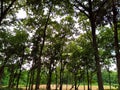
x=65, y=87
x=68, y=87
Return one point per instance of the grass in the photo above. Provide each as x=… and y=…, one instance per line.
x=5, y=88
x=43, y=87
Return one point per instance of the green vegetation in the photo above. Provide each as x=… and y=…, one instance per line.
x=59, y=42
x=10, y=89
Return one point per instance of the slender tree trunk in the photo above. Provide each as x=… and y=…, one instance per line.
x=38, y=77
x=1, y=71
x=95, y=46
x=31, y=79
x=61, y=70
x=88, y=79
x=11, y=77
x=116, y=41
x=49, y=81
x=75, y=79
x=49, y=77
x=56, y=79
x=20, y=71
x=84, y=78
x=18, y=79
x=1, y=8
x=41, y=50
x=91, y=75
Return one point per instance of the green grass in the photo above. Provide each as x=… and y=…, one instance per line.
x=5, y=88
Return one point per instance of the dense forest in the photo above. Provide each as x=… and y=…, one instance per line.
x=60, y=42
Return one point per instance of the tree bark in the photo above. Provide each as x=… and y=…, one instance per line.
x=96, y=55
x=61, y=71
x=49, y=76
x=1, y=8
x=75, y=79
x=95, y=46
x=56, y=78
x=88, y=79
x=38, y=78
x=116, y=41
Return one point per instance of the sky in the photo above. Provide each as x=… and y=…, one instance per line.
x=21, y=14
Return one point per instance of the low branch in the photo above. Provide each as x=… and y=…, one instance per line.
x=83, y=11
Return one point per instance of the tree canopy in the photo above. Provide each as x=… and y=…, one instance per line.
x=59, y=42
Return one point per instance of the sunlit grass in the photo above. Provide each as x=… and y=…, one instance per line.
x=43, y=87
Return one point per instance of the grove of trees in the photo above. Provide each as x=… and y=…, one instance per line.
x=59, y=42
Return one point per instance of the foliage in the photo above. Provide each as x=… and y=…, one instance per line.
x=58, y=42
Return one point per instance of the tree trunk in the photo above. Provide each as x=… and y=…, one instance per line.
x=49, y=77
x=56, y=79
x=91, y=75
x=11, y=77
x=38, y=78
x=41, y=51
x=1, y=8
x=20, y=67
x=88, y=79
x=61, y=70
x=96, y=54
x=116, y=41
x=18, y=79
x=31, y=79
x=95, y=45
x=75, y=79
x=84, y=79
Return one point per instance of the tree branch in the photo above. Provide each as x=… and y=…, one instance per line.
x=1, y=7
x=83, y=11
x=3, y=14
x=101, y=6
x=83, y=6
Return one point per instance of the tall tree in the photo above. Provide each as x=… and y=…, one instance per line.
x=116, y=42
x=92, y=10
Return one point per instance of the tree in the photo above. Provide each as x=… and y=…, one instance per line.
x=92, y=10
x=116, y=43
